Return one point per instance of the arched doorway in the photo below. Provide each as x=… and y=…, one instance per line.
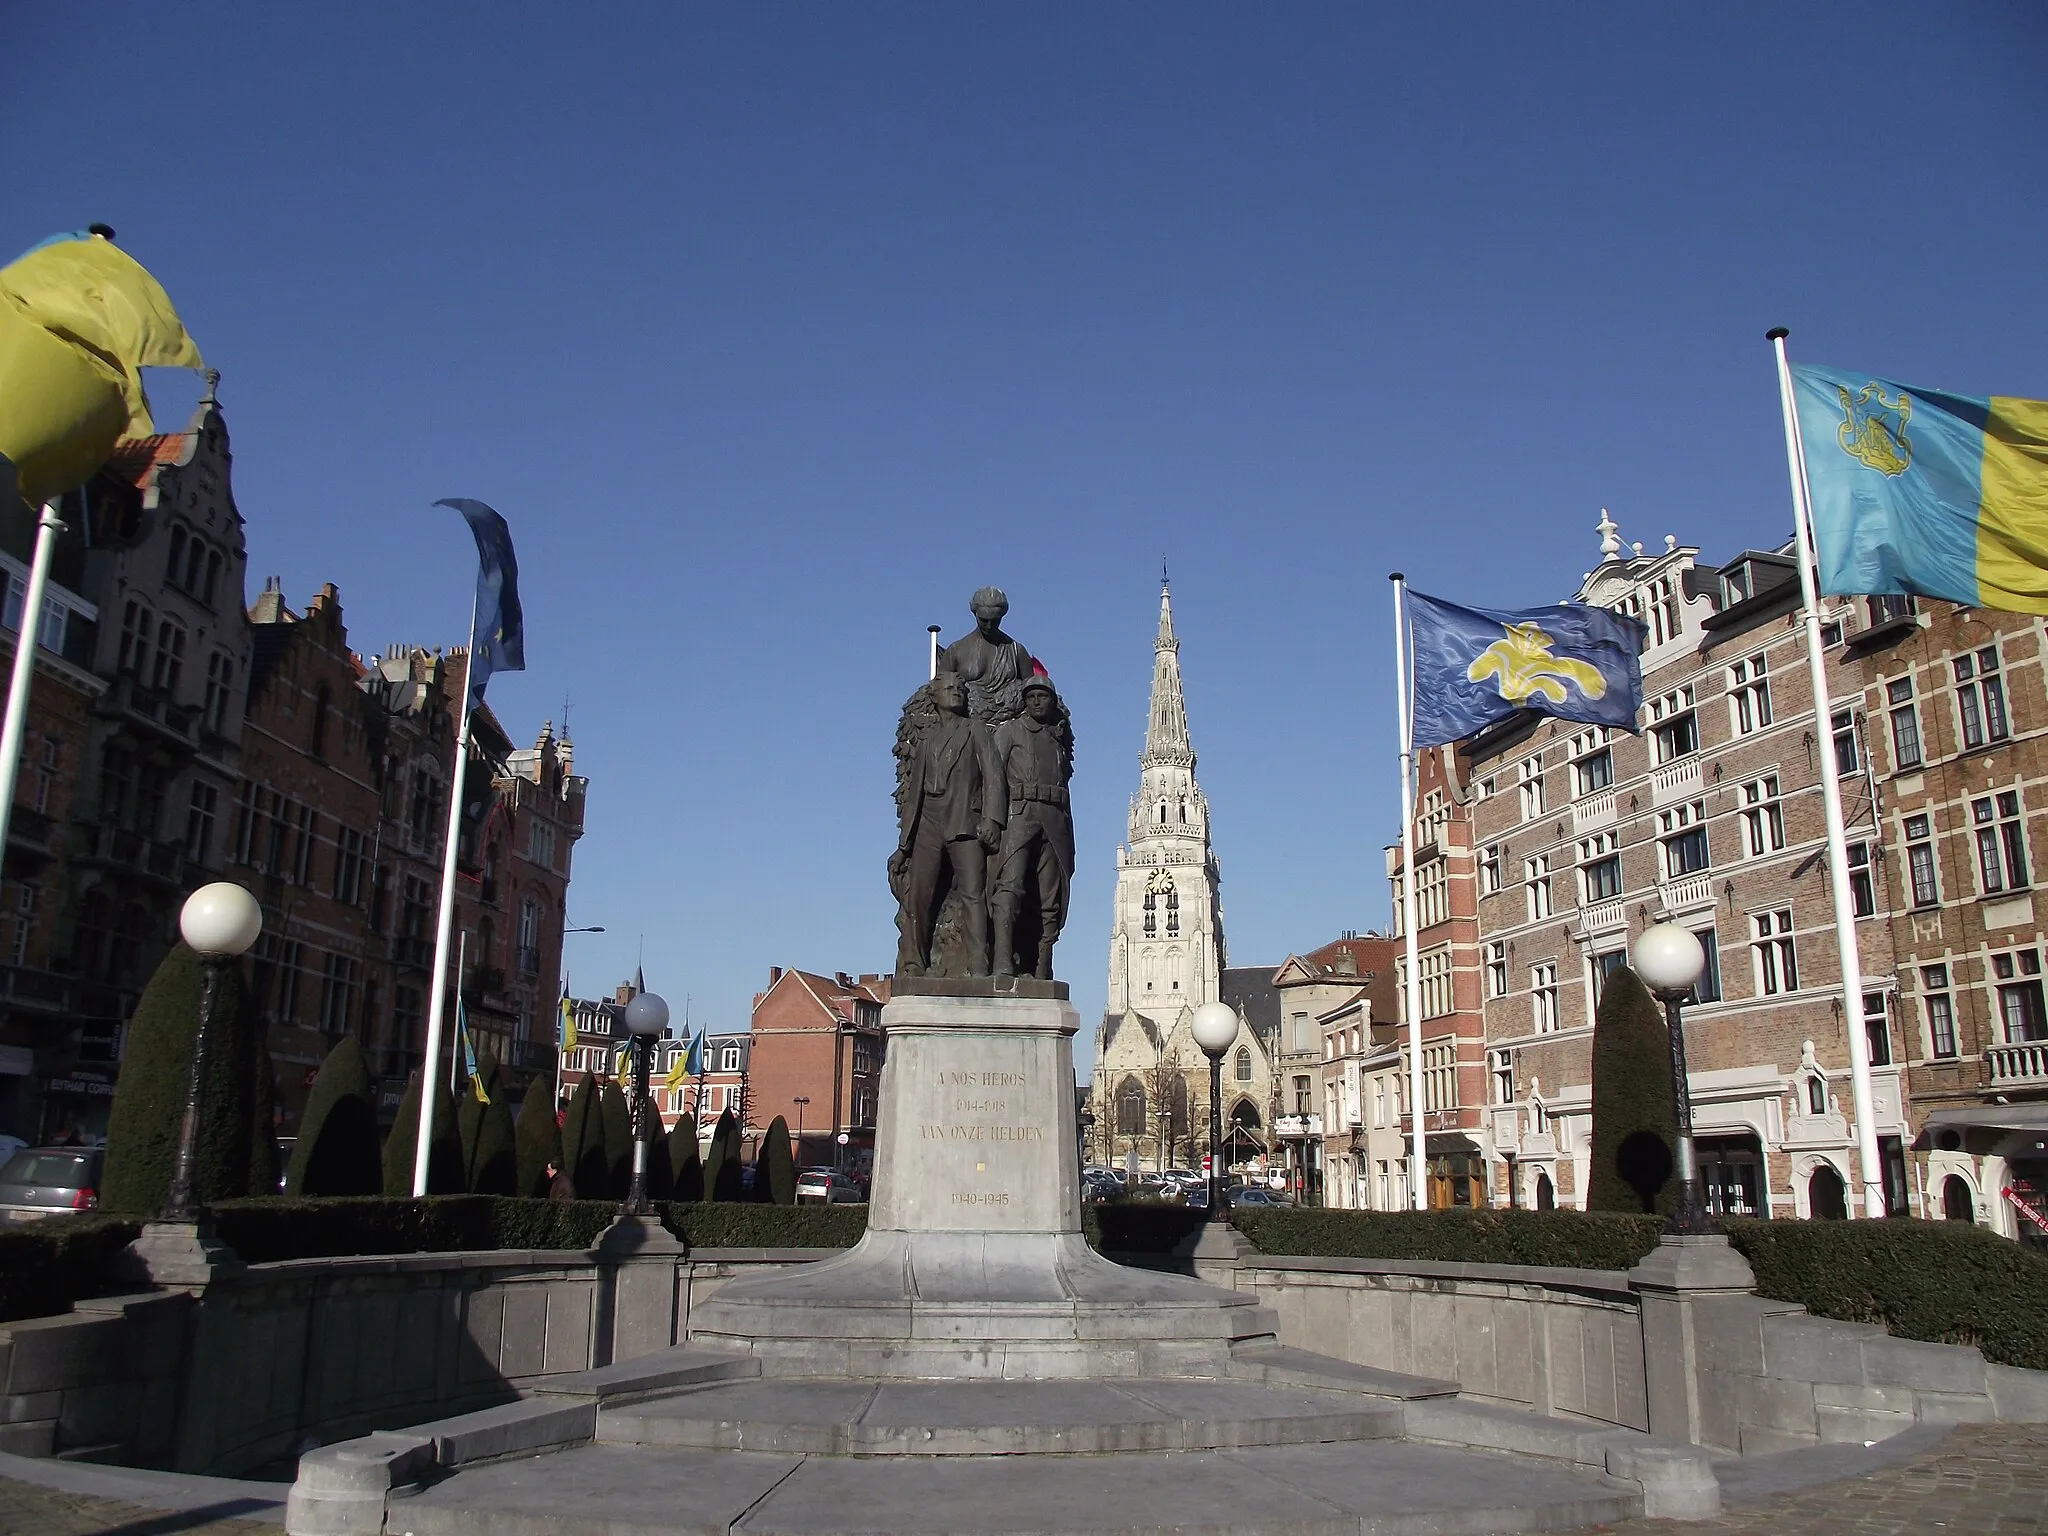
x=1827, y=1197
x=1546, y=1194
x=1956, y=1204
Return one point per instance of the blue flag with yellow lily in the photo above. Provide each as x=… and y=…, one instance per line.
x=1922, y=492
x=497, y=643
x=1473, y=667
x=476, y=1078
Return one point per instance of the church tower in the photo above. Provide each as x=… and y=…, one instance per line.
x=1166, y=934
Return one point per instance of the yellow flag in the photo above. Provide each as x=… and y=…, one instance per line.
x=79, y=319
x=678, y=1072
x=568, y=1027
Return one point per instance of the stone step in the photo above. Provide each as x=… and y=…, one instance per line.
x=1263, y=1360
x=998, y=1418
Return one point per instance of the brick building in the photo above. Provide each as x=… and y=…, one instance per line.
x=819, y=1038
x=1712, y=818
x=1351, y=973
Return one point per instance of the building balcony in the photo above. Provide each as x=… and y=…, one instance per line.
x=1596, y=810
x=2025, y=1063
x=1675, y=781
x=30, y=830
x=529, y=961
x=1603, y=917
x=159, y=861
x=1685, y=894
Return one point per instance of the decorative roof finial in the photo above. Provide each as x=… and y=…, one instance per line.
x=1610, y=540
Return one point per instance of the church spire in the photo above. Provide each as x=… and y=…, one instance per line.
x=1166, y=726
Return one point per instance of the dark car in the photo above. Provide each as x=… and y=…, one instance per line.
x=1252, y=1194
x=46, y=1181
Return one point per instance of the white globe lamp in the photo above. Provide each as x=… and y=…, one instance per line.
x=646, y=1016
x=1669, y=959
x=1214, y=1027
x=221, y=920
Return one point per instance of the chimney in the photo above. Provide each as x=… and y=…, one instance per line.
x=774, y=974
x=845, y=981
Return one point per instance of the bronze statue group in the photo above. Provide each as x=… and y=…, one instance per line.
x=985, y=848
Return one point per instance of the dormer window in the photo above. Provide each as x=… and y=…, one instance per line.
x=1735, y=585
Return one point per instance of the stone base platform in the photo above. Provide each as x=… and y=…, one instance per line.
x=1378, y=1488
x=997, y=1418
x=977, y=1305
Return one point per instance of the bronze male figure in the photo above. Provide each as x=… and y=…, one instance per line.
x=950, y=818
x=1035, y=868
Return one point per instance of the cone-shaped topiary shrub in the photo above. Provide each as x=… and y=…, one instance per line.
x=618, y=1143
x=661, y=1178
x=149, y=1096
x=714, y=1158
x=583, y=1144
x=444, y=1152
x=536, y=1140
x=490, y=1166
x=1635, y=1123
x=685, y=1160
x=337, y=1153
x=728, y=1182
x=775, y=1166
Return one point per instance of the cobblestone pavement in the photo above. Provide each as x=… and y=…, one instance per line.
x=1980, y=1479
x=29, y=1510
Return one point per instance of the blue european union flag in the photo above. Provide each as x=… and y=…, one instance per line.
x=498, y=643
x=1475, y=666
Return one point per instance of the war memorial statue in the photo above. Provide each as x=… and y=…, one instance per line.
x=984, y=853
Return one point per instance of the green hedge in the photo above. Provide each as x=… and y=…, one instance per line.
x=1946, y=1282
x=46, y=1265
x=1139, y=1226
x=1550, y=1239
x=731, y=1224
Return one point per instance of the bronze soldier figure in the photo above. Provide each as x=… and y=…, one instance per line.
x=1035, y=869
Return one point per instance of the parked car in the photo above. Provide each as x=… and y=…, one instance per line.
x=1251, y=1195
x=827, y=1187
x=44, y=1181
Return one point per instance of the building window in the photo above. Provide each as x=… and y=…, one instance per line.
x=170, y=657
x=1605, y=965
x=1877, y=1032
x=1536, y=872
x=1980, y=697
x=1151, y=915
x=1708, y=988
x=540, y=843
x=337, y=993
x=1497, y=968
x=1920, y=861
x=1531, y=774
x=1683, y=841
x=1847, y=758
x=1432, y=894
x=199, y=818
x=1600, y=866
x=1676, y=728
x=24, y=920
x=1172, y=911
x=1243, y=1064
x=1489, y=869
x=1749, y=695
x=136, y=624
x=1543, y=998
x=1898, y=696
x=1763, y=816
x=1885, y=609
x=729, y=1059
x=1941, y=1010
x=1302, y=1098
x=1777, y=967
x=2018, y=976
x=308, y=833
x=1816, y=1094
x=1439, y=1077
x=1502, y=1069
x=2001, y=842
x=1862, y=887
x=1595, y=772
x=220, y=678
x=351, y=851
x=1435, y=977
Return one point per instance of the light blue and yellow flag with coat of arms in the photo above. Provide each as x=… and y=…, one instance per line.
x=1474, y=667
x=1922, y=492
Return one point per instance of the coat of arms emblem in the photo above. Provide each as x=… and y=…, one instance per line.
x=1873, y=429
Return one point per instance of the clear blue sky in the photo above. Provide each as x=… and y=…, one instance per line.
x=775, y=330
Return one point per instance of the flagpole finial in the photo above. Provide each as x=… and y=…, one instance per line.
x=1776, y=333
x=1395, y=576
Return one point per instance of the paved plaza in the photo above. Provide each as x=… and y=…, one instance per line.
x=1979, y=1480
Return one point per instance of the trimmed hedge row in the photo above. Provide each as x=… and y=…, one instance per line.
x=47, y=1265
x=1549, y=1239
x=1945, y=1282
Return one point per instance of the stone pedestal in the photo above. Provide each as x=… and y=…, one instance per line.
x=178, y=1253
x=1673, y=1278
x=973, y=1263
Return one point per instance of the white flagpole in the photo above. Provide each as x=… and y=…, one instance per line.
x=1418, y=1191
x=933, y=661
x=1831, y=798
x=436, y=1008
x=47, y=529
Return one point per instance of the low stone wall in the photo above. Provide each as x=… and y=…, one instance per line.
x=1733, y=1371
x=264, y=1363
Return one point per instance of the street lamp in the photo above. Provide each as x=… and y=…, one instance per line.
x=598, y=929
x=1670, y=962
x=646, y=1018
x=220, y=921
x=802, y=1102
x=1215, y=1030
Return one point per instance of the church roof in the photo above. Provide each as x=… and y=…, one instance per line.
x=1166, y=723
x=1249, y=989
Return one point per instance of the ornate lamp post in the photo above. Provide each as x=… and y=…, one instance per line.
x=1670, y=961
x=220, y=921
x=1214, y=1027
x=646, y=1018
